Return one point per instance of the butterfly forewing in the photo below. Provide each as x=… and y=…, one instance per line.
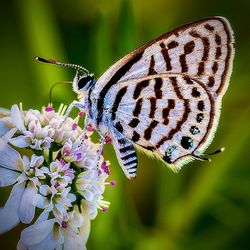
x=201, y=49
x=165, y=96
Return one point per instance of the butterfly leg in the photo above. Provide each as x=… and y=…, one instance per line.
x=125, y=152
x=72, y=105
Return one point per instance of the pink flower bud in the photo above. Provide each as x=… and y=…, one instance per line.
x=78, y=156
x=90, y=128
x=112, y=183
x=62, y=161
x=81, y=114
x=64, y=224
x=49, y=109
x=107, y=139
x=66, y=152
x=57, y=184
x=104, y=209
x=74, y=126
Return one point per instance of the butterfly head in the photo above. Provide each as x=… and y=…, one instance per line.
x=82, y=82
x=83, y=79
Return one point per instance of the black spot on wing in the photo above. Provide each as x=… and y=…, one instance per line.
x=209, y=27
x=152, y=107
x=149, y=130
x=117, y=101
x=188, y=49
x=134, y=122
x=135, y=137
x=157, y=87
x=119, y=127
x=186, y=142
x=139, y=87
x=165, y=55
x=165, y=111
x=138, y=107
x=151, y=70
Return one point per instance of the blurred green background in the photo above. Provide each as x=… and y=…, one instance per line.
x=206, y=205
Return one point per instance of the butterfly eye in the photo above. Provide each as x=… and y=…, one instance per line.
x=84, y=80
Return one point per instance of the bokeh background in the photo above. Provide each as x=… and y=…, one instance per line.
x=206, y=205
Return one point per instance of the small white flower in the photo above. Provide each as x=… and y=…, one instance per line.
x=82, y=152
x=91, y=185
x=61, y=174
x=55, y=199
x=32, y=133
x=50, y=234
x=21, y=203
x=59, y=171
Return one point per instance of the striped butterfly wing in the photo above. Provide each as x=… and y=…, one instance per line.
x=170, y=114
x=203, y=50
x=191, y=67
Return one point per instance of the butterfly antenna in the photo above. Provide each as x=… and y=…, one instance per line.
x=69, y=65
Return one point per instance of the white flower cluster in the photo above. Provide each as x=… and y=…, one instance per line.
x=58, y=170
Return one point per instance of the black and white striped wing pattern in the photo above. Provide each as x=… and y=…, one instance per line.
x=169, y=90
x=171, y=115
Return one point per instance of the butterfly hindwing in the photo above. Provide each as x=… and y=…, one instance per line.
x=169, y=114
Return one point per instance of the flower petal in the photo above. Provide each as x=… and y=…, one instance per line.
x=27, y=205
x=7, y=136
x=17, y=118
x=21, y=246
x=43, y=216
x=50, y=242
x=3, y=128
x=41, y=201
x=7, y=177
x=88, y=195
x=85, y=230
x=9, y=214
x=59, y=247
x=38, y=232
x=9, y=157
x=36, y=161
x=73, y=240
x=45, y=190
x=20, y=141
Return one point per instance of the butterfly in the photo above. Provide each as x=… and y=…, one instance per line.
x=164, y=97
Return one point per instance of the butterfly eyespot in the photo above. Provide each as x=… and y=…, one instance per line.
x=168, y=154
x=84, y=81
x=194, y=130
x=187, y=142
x=199, y=117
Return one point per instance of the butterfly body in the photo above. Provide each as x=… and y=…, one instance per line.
x=165, y=96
